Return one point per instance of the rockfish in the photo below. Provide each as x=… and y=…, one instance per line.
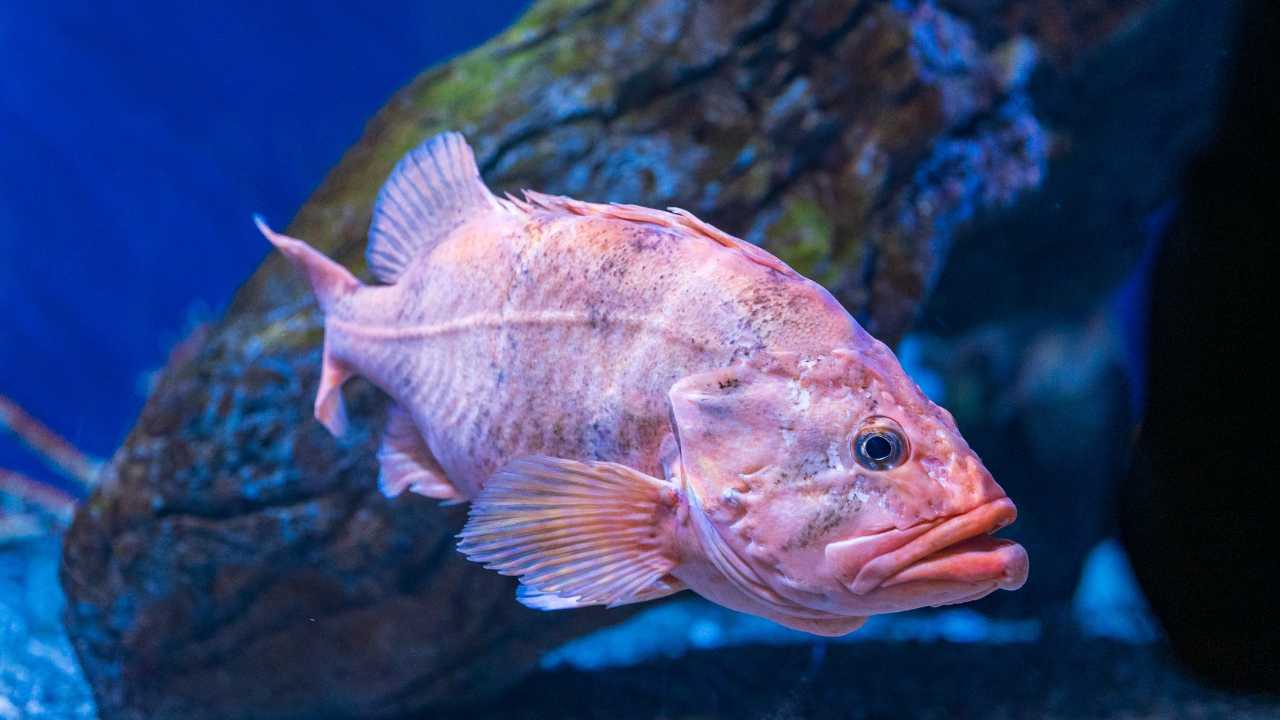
x=635, y=402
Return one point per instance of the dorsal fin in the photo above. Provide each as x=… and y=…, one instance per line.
x=434, y=189
x=676, y=219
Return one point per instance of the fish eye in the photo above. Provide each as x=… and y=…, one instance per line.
x=879, y=445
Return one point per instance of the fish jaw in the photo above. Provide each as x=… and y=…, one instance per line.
x=939, y=562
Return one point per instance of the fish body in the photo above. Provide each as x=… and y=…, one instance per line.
x=636, y=402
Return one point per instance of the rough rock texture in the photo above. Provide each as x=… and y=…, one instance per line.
x=1022, y=323
x=848, y=137
x=1124, y=121
x=238, y=562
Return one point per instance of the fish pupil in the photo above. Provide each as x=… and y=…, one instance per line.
x=878, y=447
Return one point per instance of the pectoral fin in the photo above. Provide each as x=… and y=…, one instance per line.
x=539, y=600
x=575, y=533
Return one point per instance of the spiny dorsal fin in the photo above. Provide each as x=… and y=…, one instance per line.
x=674, y=218
x=434, y=189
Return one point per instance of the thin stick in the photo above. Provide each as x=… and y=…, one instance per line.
x=37, y=493
x=59, y=454
x=14, y=528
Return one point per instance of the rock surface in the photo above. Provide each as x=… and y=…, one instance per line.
x=236, y=561
x=1025, y=325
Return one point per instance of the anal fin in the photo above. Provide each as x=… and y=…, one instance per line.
x=330, y=410
x=406, y=463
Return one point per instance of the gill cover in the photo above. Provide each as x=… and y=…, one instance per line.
x=725, y=420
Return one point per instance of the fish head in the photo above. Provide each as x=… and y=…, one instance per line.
x=831, y=486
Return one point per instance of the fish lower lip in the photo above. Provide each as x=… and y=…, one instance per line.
x=943, y=547
x=983, y=559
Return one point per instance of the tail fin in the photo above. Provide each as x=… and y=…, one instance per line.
x=329, y=281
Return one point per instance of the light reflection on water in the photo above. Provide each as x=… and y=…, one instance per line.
x=1107, y=604
x=693, y=624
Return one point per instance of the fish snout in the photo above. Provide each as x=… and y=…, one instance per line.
x=982, y=486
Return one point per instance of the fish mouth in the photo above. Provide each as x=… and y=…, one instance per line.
x=955, y=551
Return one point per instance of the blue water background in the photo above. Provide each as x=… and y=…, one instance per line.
x=135, y=141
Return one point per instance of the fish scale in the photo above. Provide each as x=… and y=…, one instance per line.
x=453, y=329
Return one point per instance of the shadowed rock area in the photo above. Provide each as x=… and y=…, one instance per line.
x=236, y=561
x=1076, y=680
x=1181, y=506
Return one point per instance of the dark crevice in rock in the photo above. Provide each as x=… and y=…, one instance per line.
x=535, y=132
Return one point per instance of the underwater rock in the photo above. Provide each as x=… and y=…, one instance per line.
x=1123, y=121
x=1033, y=279
x=849, y=138
x=236, y=561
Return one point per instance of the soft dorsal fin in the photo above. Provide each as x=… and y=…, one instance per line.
x=434, y=189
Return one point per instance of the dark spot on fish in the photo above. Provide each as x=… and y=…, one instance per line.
x=649, y=431
x=557, y=432
x=742, y=352
x=644, y=241
x=597, y=441
x=730, y=383
x=823, y=522
x=836, y=504
x=715, y=409
x=597, y=318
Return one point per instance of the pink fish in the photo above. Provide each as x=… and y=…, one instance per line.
x=636, y=403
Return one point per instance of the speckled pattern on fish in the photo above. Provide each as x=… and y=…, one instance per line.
x=636, y=403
